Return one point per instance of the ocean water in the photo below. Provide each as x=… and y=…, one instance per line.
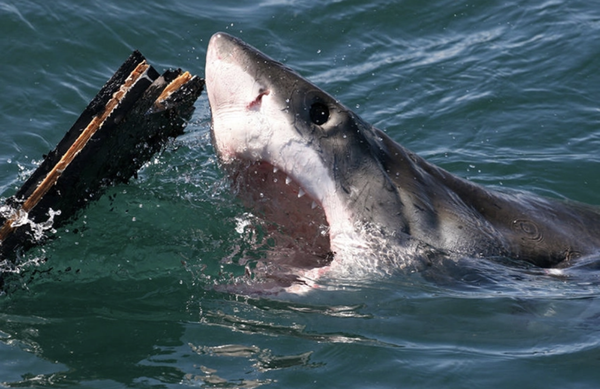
x=504, y=94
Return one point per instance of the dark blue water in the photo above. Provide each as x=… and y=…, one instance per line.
x=507, y=95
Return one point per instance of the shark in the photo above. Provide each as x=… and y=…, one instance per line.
x=342, y=195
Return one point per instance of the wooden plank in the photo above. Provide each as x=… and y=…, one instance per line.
x=127, y=122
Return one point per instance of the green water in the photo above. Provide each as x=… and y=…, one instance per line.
x=507, y=95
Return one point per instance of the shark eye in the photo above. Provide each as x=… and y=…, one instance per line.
x=319, y=113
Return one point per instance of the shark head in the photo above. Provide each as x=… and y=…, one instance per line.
x=304, y=159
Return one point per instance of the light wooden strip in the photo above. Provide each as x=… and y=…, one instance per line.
x=172, y=87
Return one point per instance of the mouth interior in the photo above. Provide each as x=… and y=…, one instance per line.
x=297, y=222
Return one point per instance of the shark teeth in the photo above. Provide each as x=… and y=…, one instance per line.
x=288, y=180
x=313, y=205
x=301, y=193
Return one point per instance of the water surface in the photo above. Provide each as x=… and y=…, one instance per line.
x=506, y=95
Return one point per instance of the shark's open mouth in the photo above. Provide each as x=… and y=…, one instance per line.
x=296, y=221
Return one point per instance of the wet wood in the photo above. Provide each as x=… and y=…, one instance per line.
x=126, y=123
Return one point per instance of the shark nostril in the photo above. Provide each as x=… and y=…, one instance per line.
x=256, y=103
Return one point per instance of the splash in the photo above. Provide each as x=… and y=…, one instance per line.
x=278, y=263
x=376, y=253
x=21, y=218
x=38, y=231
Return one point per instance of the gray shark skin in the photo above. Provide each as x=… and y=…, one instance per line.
x=338, y=185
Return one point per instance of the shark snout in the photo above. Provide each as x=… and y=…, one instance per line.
x=230, y=86
x=220, y=47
